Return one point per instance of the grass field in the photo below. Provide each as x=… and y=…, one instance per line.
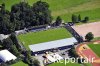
x=69, y=64
x=98, y=38
x=63, y=64
x=94, y=15
x=19, y=64
x=87, y=64
x=44, y=36
x=65, y=8
x=95, y=48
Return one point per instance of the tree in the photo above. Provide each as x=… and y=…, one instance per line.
x=4, y=64
x=3, y=9
x=15, y=41
x=28, y=57
x=58, y=21
x=86, y=19
x=14, y=50
x=12, y=17
x=74, y=18
x=79, y=17
x=43, y=14
x=89, y=36
x=73, y=53
x=36, y=62
x=8, y=44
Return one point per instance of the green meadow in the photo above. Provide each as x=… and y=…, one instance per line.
x=63, y=64
x=65, y=8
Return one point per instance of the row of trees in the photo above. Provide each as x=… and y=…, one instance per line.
x=23, y=15
x=77, y=19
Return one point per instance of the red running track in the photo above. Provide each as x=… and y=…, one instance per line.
x=90, y=54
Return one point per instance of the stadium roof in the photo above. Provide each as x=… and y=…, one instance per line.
x=52, y=44
x=5, y=55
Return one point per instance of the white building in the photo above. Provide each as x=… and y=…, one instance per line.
x=2, y=36
x=5, y=56
x=20, y=31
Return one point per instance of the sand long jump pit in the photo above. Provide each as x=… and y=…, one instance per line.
x=82, y=30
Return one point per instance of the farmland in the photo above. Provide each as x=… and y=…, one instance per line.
x=65, y=8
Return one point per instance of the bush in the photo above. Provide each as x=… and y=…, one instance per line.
x=74, y=18
x=86, y=19
x=89, y=36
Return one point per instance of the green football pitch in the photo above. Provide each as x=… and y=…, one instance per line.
x=44, y=36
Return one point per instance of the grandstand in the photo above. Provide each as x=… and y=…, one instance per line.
x=48, y=46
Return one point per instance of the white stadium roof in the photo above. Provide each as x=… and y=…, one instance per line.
x=52, y=44
x=5, y=55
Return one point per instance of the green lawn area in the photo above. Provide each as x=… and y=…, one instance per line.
x=95, y=48
x=63, y=64
x=68, y=64
x=93, y=15
x=65, y=8
x=19, y=64
x=97, y=38
x=87, y=64
x=44, y=36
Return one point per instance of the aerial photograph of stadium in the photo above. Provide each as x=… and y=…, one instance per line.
x=49, y=32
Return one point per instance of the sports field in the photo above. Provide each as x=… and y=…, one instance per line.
x=95, y=48
x=65, y=8
x=90, y=49
x=19, y=64
x=44, y=36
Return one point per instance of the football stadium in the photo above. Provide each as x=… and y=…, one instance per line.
x=52, y=38
x=49, y=32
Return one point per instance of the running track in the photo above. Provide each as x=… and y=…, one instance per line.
x=88, y=53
